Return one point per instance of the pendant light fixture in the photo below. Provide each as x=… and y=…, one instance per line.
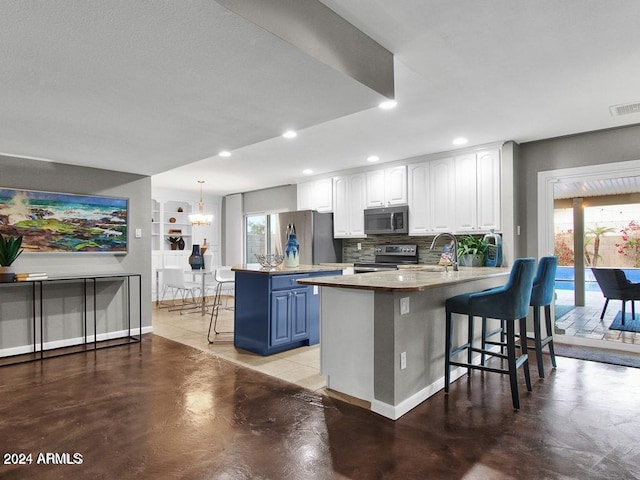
x=200, y=218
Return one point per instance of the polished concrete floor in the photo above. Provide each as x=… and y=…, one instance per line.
x=166, y=410
x=163, y=410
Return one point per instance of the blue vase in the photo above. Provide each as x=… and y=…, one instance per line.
x=195, y=260
x=292, y=253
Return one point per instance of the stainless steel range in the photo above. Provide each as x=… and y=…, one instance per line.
x=388, y=257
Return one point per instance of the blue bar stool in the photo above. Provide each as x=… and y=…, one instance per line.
x=542, y=296
x=508, y=303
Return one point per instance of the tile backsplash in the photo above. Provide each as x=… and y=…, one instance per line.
x=350, y=252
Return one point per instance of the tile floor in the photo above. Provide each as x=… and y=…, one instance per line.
x=584, y=322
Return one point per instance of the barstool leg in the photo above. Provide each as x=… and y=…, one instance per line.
x=624, y=306
x=537, y=333
x=470, y=343
x=552, y=352
x=484, y=340
x=523, y=347
x=214, y=312
x=511, y=362
x=447, y=351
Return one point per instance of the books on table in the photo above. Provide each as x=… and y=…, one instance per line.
x=31, y=276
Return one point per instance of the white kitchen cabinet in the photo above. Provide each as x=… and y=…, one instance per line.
x=315, y=195
x=348, y=206
x=431, y=197
x=478, y=192
x=418, y=197
x=489, y=188
x=387, y=186
x=442, y=187
x=466, y=216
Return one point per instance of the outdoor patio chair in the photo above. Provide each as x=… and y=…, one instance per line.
x=615, y=286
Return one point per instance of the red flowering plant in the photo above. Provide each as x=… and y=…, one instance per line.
x=630, y=245
x=562, y=248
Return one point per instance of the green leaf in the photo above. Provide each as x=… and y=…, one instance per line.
x=9, y=249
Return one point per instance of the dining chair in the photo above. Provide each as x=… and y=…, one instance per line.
x=173, y=280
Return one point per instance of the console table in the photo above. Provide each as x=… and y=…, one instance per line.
x=89, y=287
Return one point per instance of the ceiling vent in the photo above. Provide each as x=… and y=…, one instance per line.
x=624, y=109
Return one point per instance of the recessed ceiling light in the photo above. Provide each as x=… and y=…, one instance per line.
x=373, y=158
x=460, y=141
x=307, y=171
x=388, y=104
x=225, y=153
x=290, y=134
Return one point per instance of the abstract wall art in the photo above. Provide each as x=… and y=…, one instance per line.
x=63, y=222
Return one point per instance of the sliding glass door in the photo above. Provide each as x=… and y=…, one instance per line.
x=262, y=234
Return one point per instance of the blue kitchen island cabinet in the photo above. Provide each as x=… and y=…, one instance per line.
x=273, y=312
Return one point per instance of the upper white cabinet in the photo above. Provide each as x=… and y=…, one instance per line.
x=316, y=195
x=489, y=188
x=387, y=187
x=458, y=195
x=466, y=217
x=419, y=202
x=431, y=196
x=442, y=188
x=348, y=205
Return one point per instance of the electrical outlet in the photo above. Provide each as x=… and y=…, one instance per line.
x=404, y=305
x=359, y=246
x=403, y=360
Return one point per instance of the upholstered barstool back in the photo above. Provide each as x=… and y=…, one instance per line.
x=544, y=282
x=542, y=296
x=508, y=303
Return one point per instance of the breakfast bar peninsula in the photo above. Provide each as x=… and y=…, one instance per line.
x=382, y=334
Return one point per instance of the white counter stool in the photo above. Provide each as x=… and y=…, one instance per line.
x=509, y=303
x=173, y=279
x=225, y=284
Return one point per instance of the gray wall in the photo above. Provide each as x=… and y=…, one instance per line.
x=594, y=148
x=63, y=302
x=284, y=198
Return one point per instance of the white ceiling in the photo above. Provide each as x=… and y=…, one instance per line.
x=148, y=86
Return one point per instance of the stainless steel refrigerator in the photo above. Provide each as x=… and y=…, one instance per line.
x=314, y=232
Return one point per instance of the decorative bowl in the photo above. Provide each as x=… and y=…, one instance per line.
x=269, y=260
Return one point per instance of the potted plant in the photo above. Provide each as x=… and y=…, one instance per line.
x=471, y=251
x=174, y=242
x=9, y=251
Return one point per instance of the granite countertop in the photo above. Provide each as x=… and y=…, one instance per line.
x=281, y=270
x=408, y=280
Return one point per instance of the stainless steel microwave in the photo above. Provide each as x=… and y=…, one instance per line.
x=386, y=220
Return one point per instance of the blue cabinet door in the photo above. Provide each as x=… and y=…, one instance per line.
x=299, y=310
x=280, y=318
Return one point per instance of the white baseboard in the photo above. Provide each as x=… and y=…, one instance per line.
x=70, y=342
x=394, y=412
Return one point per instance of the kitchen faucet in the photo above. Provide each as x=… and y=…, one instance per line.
x=454, y=256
